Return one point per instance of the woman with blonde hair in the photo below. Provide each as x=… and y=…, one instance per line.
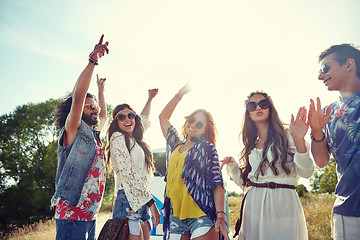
x=194, y=195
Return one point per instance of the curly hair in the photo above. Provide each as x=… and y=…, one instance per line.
x=137, y=134
x=62, y=110
x=276, y=142
x=210, y=132
x=342, y=53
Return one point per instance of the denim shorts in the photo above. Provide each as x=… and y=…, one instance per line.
x=75, y=230
x=188, y=225
x=122, y=209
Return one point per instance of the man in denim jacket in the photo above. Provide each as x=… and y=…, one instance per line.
x=81, y=173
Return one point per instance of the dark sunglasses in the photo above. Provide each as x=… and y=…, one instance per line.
x=325, y=68
x=92, y=106
x=122, y=117
x=252, y=106
x=199, y=125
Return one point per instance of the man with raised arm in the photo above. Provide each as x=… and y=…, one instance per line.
x=81, y=173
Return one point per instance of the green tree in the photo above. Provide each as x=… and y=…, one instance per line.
x=28, y=143
x=324, y=180
x=301, y=190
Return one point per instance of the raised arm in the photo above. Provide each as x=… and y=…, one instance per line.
x=166, y=113
x=81, y=87
x=317, y=120
x=102, y=104
x=147, y=107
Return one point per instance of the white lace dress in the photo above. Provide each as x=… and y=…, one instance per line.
x=131, y=174
x=273, y=213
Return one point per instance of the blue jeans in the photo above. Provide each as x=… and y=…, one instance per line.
x=75, y=230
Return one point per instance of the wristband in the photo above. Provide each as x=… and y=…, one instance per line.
x=318, y=141
x=220, y=212
x=93, y=61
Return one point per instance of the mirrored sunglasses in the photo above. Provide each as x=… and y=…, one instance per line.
x=252, y=106
x=199, y=125
x=122, y=117
x=92, y=106
x=325, y=68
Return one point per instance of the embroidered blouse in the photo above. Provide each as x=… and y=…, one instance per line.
x=131, y=173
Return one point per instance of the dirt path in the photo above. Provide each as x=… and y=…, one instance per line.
x=101, y=220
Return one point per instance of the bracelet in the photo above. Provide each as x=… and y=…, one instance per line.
x=318, y=141
x=220, y=212
x=222, y=219
x=178, y=96
x=93, y=61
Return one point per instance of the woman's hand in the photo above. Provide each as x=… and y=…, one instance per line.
x=298, y=125
x=99, y=49
x=100, y=82
x=155, y=214
x=225, y=161
x=153, y=93
x=184, y=90
x=221, y=226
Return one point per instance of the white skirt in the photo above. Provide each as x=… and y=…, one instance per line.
x=273, y=214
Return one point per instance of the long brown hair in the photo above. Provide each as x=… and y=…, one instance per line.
x=210, y=131
x=277, y=142
x=137, y=134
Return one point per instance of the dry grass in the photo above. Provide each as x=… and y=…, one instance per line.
x=43, y=230
x=317, y=208
x=234, y=210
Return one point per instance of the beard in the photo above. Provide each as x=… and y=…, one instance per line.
x=89, y=120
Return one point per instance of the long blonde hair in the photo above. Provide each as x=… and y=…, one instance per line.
x=210, y=131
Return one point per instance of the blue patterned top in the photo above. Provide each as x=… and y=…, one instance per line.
x=343, y=135
x=201, y=172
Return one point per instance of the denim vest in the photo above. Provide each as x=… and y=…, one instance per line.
x=74, y=163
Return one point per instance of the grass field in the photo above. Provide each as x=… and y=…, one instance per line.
x=317, y=208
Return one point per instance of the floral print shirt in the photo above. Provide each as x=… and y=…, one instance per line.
x=91, y=193
x=343, y=136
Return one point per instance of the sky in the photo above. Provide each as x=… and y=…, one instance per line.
x=224, y=49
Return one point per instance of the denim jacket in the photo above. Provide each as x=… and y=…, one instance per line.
x=74, y=163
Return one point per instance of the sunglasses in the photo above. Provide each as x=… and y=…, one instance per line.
x=252, y=106
x=325, y=68
x=199, y=125
x=92, y=106
x=122, y=117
